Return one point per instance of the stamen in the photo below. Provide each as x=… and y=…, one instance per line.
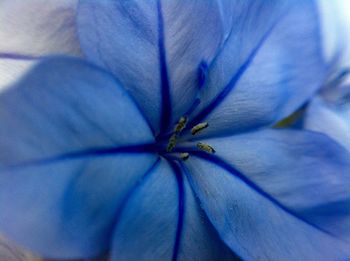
x=205, y=147
x=181, y=124
x=171, y=143
x=199, y=127
x=184, y=155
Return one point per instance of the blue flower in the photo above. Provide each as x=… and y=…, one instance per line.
x=163, y=151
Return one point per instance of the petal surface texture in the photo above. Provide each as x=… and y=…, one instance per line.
x=256, y=75
x=32, y=29
x=62, y=170
x=275, y=195
x=157, y=49
x=330, y=119
x=259, y=74
x=38, y=27
x=162, y=220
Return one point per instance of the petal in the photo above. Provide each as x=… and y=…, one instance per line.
x=12, y=70
x=38, y=27
x=66, y=209
x=63, y=106
x=259, y=76
x=62, y=173
x=10, y=252
x=157, y=49
x=161, y=220
x=32, y=29
x=335, y=22
x=333, y=121
x=277, y=195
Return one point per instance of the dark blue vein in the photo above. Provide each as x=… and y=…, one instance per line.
x=181, y=209
x=93, y=152
x=224, y=165
x=17, y=56
x=131, y=192
x=165, y=85
x=233, y=81
x=187, y=174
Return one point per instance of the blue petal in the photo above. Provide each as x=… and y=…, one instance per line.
x=329, y=119
x=335, y=30
x=270, y=64
x=66, y=209
x=155, y=48
x=62, y=173
x=33, y=29
x=161, y=220
x=277, y=195
x=37, y=28
x=65, y=105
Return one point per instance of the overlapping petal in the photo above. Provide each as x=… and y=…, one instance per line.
x=161, y=220
x=38, y=27
x=281, y=190
x=330, y=119
x=12, y=70
x=261, y=72
x=157, y=49
x=32, y=29
x=68, y=139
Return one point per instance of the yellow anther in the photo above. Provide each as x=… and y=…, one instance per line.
x=181, y=124
x=199, y=127
x=171, y=143
x=205, y=147
x=184, y=155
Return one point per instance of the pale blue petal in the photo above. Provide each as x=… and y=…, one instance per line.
x=158, y=49
x=66, y=209
x=329, y=119
x=65, y=105
x=63, y=129
x=161, y=220
x=37, y=27
x=277, y=195
x=270, y=65
x=33, y=29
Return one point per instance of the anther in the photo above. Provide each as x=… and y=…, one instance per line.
x=199, y=127
x=205, y=147
x=184, y=155
x=171, y=143
x=180, y=125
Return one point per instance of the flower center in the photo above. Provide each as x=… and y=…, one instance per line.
x=176, y=133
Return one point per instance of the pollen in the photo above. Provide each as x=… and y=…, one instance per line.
x=205, y=147
x=184, y=155
x=180, y=125
x=171, y=143
x=199, y=127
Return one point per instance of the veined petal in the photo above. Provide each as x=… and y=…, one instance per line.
x=63, y=106
x=157, y=49
x=69, y=139
x=38, y=27
x=277, y=195
x=33, y=29
x=65, y=209
x=161, y=220
x=270, y=64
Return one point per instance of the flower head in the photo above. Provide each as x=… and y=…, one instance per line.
x=158, y=152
